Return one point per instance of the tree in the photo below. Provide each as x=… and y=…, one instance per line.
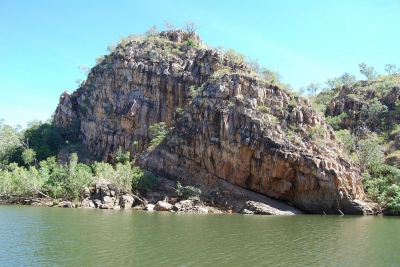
x=369, y=72
x=384, y=87
x=169, y=26
x=375, y=113
x=122, y=157
x=235, y=56
x=313, y=88
x=272, y=76
x=43, y=138
x=347, y=78
x=347, y=139
x=190, y=27
x=391, y=68
x=333, y=83
x=152, y=32
x=29, y=156
x=159, y=131
x=85, y=70
x=9, y=141
x=369, y=153
x=253, y=63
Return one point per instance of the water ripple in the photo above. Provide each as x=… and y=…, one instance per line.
x=31, y=236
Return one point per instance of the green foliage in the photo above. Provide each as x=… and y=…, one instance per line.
x=43, y=138
x=180, y=111
x=234, y=56
x=391, y=69
x=263, y=109
x=122, y=175
x=159, y=131
x=194, y=91
x=336, y=120
x=29, y=156
x=369, y=72
x=67, y=181
x=269, y=75
x=375, y=113
x=142, y=180
x=187, y=192
x=229, y=103
x=190, y=42
x=369, y=153
x=322, y=100
x=122, y=157
x=382, y=186
x=253, y=63
x=40, y=140
x=384, y=87
x=347, y=78
x=147, y=182
x=151, y=32
x=316, y=132
x=333, y=83
x=9, y=142
x=313, y=88
x=347, y=139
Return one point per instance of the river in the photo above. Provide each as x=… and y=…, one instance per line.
x=37, y=236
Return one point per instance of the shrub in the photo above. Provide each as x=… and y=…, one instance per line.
x=375, y=113
x=188, y=192
x=234, y=56
x=190, y=42
x=316, y=132
x=336, y=120
x=122, y=157
x=159, y=132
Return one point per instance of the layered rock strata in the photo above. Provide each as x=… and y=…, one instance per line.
x=226, y=124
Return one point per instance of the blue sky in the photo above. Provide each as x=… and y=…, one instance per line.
x=43, y=42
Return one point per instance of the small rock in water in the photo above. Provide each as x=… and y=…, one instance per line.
x=150, y=207
x=66, y=204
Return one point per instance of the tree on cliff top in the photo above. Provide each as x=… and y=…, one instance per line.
x=191, y=27
x=369, y=72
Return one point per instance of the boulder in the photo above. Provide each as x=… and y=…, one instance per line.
x=104, y=207
x=126, y=201
x=84, y=192
x=104, y=190
x=183, y=206
x=149, y=207
x=253, y=207
x=163, y=206
x=66, y=204
x=109, y=201
x=87, y=203
x=97, y=202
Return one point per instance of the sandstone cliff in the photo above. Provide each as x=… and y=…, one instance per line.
x=226, y=124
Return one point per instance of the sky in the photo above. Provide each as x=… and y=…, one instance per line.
x=43, y=42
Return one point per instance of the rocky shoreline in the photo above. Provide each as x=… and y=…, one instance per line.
x=163, y=198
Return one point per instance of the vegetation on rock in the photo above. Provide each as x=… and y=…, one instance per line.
x=183, y=109
x=365, y=117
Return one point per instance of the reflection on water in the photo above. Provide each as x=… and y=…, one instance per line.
x=34, y=236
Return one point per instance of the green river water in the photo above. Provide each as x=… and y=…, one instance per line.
x=37, y=236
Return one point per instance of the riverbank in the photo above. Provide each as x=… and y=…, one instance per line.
x=165, y=197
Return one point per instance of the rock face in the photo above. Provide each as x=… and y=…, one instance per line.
x=226, y=124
